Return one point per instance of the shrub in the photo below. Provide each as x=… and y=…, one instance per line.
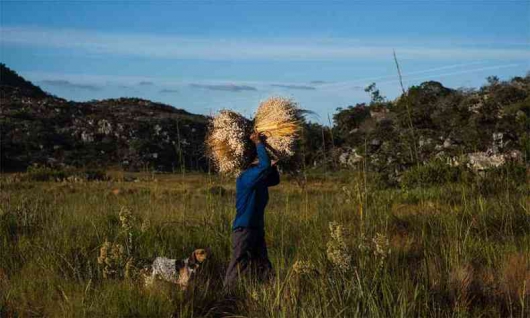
x=43, y=173
x=434, y=172
x=508, y=177
x=94, y=174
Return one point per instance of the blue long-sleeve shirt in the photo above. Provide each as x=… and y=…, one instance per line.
x=252, y=193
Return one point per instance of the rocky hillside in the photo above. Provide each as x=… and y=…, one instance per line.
x=133, y=133
x=430, y=123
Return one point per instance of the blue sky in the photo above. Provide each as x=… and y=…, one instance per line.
x=204, y=56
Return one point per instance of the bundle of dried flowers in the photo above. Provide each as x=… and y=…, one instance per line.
x=228, y=142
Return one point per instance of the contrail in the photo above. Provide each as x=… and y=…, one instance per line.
x=364, y=80
x=495, y=67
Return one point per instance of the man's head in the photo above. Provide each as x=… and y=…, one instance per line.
x=257, y=138
x=252, y=154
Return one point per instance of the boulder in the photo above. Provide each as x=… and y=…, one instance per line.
x=350, y=158
x=480, y=161
x=447, y=143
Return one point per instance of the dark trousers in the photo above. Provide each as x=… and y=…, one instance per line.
x=249, y=254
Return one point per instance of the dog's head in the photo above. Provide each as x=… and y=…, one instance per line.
x=198, y=256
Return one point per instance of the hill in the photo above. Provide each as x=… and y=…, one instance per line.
x=10, y=79
x=431, y=124
x=38, y=128
x=428, y=128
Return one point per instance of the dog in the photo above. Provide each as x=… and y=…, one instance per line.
x=178, y=272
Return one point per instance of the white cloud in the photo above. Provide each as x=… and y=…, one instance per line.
x=295, y=86
x=158, y=46
x=71, y=85
x=236, y=86
x=224, y=87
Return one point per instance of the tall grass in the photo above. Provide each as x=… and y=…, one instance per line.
x=447, y=250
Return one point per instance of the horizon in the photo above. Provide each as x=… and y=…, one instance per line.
x=205, y=57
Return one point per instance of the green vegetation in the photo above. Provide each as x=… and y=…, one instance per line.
x=433, y=123
x=431, y=216
x=43, y=173
x=340, y=246
x=428, y=122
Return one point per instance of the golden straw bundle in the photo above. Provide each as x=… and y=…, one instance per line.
x=228, y=142
x=230, y=148
x=280, y=120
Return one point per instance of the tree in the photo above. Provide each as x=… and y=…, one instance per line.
x=493, y=80
x=376, y=97
x=348, y=120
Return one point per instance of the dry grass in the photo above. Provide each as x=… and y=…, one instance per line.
x=423, y=208
x=461, y=280
x=515, y=276
x=466, y=259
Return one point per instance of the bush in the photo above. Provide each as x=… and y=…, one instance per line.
x=434, y=172
x=437, y=172
x=506, y=178
x=43, y=173
x=94, y=174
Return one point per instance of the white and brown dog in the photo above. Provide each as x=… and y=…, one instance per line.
x=178, y=272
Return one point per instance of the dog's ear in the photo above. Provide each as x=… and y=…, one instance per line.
x=180, y=264
x=192, y=260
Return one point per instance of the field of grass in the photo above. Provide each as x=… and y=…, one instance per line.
x=340, y=248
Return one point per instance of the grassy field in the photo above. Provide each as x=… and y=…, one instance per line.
x=340, y=248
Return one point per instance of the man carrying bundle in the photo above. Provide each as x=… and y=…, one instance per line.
x=249, y=251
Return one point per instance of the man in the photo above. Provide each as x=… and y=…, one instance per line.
x=249, y=250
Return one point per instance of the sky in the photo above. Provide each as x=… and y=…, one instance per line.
x=204, y=56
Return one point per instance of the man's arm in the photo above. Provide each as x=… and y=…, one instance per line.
x=256, y=174
x=263, y=156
